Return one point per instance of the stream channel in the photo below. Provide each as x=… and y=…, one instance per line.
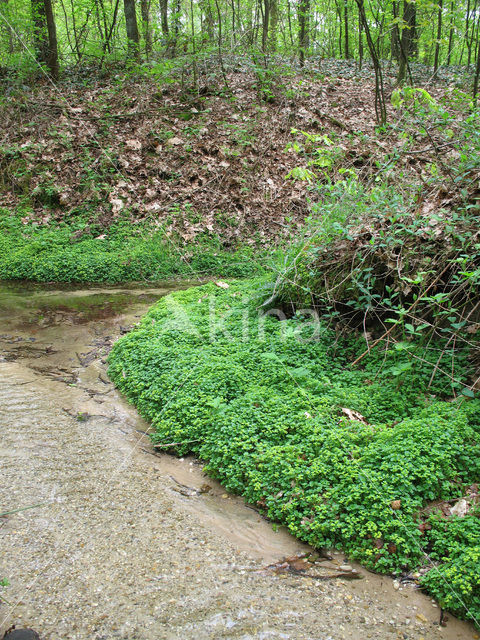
x=102, y=537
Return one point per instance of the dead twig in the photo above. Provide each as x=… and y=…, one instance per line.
x=174, y=444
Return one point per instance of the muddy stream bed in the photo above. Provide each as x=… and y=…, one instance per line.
x=122, y=542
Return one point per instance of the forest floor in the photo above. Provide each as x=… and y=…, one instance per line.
x=205, y=162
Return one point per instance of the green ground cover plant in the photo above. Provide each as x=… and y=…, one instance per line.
x=343, y=456
x=73, y=253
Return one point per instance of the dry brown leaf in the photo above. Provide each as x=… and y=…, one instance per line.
x=353, y=415
x=135, y=145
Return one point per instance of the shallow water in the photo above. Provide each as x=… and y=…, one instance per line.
x=54, y=342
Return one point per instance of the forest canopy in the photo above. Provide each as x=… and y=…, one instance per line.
x=60, y=34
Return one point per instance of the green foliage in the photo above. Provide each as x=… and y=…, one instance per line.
x=360, y=264
x=416, y=96
x=266, y=404
x=76, y=252
x=455, y=582
x=320, y=152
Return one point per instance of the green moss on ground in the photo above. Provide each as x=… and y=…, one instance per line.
x=263, y=405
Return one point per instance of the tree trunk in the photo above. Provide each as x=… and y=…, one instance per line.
x=273, y=25
x=176, y=29
x=450, y=34
x=406, y=39
x=304, y=29
x=360, y=40
x=164, y=18
x=147, y=34
x=476, y=77
x=105, y=28
x=40, y=30
x=106, y=45
x=345, y=19
x=380, y=104
x=338, y=9
x=395, y=42
x=439, y=36
x=52, y=58
x=266, y=21
x=289, y=19
x=133, y=36
x=207, y=19
x=45, y=35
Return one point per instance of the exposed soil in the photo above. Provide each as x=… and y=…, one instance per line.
x=122, y=542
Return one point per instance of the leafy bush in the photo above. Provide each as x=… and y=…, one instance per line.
x=397, y=257
x=268, y=405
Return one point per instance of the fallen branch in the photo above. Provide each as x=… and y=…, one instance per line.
x=174, y=444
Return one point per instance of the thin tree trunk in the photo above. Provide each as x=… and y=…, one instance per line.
x=450, y=34
x=234, y=20
x=133, y=37
x=345, y=20
x=71, y=45
x=289, y=17
x=476, y=78
x=439, y=35
x=194, y=47
x=304, y=30
x=220, y=55
x=75, y=34
x=380, y=104
x=106, y=46
x=340, y=35
x=99, y=22
x=360, y=40
x=105, y=26
x=147, y=34
x=395, y=43
x=475, y=38
x=176, y=28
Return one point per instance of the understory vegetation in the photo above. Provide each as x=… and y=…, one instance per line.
x=67, y=253
x=347, y=457
x=338, y=394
